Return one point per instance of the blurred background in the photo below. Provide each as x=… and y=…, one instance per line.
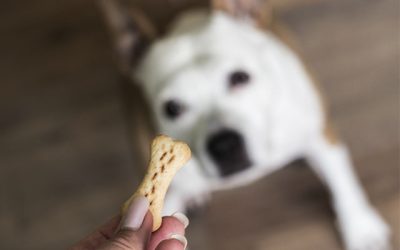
x=66, y=157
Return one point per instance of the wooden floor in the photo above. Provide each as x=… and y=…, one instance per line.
x=65, y=157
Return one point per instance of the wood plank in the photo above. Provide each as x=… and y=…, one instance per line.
x=65, y=152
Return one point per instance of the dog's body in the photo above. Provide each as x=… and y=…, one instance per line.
x=244, y=102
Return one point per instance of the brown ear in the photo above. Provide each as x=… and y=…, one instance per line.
x=132, y=32
x=256, y=11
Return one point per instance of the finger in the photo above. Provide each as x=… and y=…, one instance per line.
x=171, y=226
x=135, y=229
x=108, y=228
x=135, y=213
x=101, y=235
x=127, y=239
x=171, y=244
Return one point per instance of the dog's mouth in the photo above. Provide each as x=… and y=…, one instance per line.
x=227, y=149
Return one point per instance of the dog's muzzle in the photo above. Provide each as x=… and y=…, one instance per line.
x=227, y=149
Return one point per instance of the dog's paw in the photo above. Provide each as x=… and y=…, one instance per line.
x=365, y=230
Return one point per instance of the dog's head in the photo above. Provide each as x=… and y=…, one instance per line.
x=211, y=81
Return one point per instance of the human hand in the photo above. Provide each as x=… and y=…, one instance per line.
x=133, y=232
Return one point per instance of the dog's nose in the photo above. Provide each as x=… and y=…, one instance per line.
x=227, y=148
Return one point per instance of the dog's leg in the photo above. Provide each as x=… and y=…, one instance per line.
x=188, y=189
x=361, y=226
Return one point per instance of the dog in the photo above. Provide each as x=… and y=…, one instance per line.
x=225, y=83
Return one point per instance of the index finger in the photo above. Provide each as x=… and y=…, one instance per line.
x=170, y=226
x=99, y=236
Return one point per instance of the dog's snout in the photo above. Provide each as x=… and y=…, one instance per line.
x=227, y=149
x=223, y=144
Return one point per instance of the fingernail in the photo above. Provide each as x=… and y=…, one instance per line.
x=182, y=218
x=135, y=214
x=182, y=239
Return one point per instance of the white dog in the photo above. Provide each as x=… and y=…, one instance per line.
x=244, y=102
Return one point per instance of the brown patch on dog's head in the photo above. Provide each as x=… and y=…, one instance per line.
x=257, y=11
x=131, y=30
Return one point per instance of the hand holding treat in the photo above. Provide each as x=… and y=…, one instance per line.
x=167, y=157
x=134, y=229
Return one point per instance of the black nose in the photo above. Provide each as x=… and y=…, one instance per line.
x=227, y=148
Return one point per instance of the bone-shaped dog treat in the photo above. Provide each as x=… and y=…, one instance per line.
x=167, y=157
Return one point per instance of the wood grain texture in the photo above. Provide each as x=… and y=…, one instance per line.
x=66, y=159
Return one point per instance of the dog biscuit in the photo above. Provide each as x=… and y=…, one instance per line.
x=167, y=157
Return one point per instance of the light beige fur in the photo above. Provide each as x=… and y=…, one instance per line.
x=167, y=157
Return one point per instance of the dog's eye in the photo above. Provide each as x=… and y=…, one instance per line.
x=173, y=109
x=238, y=78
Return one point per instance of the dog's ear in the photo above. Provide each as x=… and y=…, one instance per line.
x=132, y=32
x=257, y=11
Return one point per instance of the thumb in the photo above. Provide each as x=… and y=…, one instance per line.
x=135, y=228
